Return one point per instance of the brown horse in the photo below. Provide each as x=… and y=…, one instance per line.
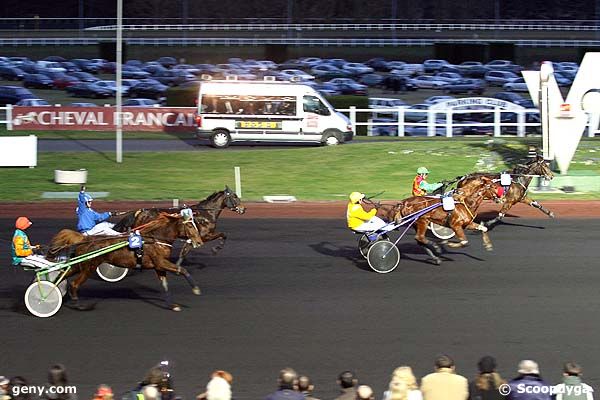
x=517, y=191
x=158, y=236
x=206, y=213
x=467, y=200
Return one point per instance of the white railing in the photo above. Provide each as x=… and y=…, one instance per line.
x=6, y=116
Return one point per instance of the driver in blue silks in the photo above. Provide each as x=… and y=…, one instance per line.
x=91, y=222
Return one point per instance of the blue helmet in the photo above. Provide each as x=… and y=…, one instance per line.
x=87, y=198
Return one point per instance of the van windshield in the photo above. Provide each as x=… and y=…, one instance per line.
x=313, y=104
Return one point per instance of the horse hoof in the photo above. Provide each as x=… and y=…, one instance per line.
x=176, y=308
x=214, y=251
x=489, y=248
x=196, y=291
x=551, y=214
x=436, y=261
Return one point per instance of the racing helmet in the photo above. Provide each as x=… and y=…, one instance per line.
x=422, y=171
x=87, y=198
x=22, y=223
x=355, y=197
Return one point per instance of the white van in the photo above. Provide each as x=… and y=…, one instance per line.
x=267, y=111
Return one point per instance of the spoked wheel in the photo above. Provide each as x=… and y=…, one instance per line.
x=441, y=232
x=364, y=243
x=383, y=256
x=110, y=273
x=43, y=299
x=53, y=276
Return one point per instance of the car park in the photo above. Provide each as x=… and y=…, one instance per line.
x=371, y=79
x=475, y=86
x=62, y=81
x=131, y=72
x=148, y=90
x=503, y=65
x=167, y=62
x=514, y=98
x=86, y=65
x=427, y=82
x=515, y=85
x=356, y=69
x=50, y=66
x=473, y=69
x=297, y=74
x=84, y=76
x=424, y=125
x=437, y=99
x=112, y=86
x=430, y=66
x=450, y=77
x=82, y=105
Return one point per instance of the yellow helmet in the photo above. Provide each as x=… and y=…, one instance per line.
x=355, y=197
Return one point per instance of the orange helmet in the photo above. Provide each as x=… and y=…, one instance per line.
x=22, y=223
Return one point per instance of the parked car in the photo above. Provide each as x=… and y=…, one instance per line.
x=86, y=65
x=13, y=94
x=499, y=78
x=423, y=128
x=90, y=89
x=336, y=62
x=38, y=81
x=82, y=105
x=131, y=72
x=378, y=64
x=173, y=78
x=140, y=103
x=32, y=103
x=167, y=62
x=112, y=86
x=84, y=76
x=473, y=69
x=325, y=71
x=510, y=118
x=62, y=81
x=503, y=65
x=309, y=62
x=514, y=98
x=430, y=66
x=148, y=90
x=416, y=112
x=515, y=85
x=11, y=73
x=357, y=68
x=450, y=77
x=427, y=82
x=371, y=79
x=293, y=63
x=291, y=74
x=437, y=99
x=50, y=66
x=475, y=86
x=70, y=66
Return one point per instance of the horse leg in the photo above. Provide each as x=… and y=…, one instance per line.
x=162, y=277
x=537, y=205
x=500, y=215
x=460, y=235
x=487, y=243
x=432, y=249
x=184, y=252
x=77, y=282
x=166, y=265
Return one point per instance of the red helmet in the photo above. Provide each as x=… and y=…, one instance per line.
x=22, y=223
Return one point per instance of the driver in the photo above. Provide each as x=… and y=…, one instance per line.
x=91, y=222
x=420, y=187
x=22, y=250
x=360, y=220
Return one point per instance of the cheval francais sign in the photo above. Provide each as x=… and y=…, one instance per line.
x=55, y=118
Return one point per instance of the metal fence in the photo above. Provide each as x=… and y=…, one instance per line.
x=6, y=116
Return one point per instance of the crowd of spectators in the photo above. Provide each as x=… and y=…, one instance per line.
x=444, y=383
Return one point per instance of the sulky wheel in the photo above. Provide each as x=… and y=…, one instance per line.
x=43, y=299
x=441, y=232
x=383, y=256
x=110, y=273
x=364, y=243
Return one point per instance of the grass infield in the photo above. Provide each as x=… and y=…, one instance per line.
x=309, y=173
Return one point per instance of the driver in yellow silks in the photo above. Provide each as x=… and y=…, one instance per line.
x=360, y=220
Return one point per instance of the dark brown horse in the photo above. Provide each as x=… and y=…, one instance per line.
x=467, y=200
x=158, y=237
x=206, y=214
x=517, y=191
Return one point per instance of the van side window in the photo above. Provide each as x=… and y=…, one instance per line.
x=248, y=104
x=312, y=104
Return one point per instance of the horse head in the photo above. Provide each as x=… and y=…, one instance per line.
x=539, y=166
x=232, y=201
x=173, y=226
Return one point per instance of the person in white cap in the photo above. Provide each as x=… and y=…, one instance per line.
x=4, y=388
x=360, y=220
x=529, y=385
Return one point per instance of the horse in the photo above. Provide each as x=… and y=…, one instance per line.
x=158, y=236
x=517, y=191
x=206, y=213
x=467, y=200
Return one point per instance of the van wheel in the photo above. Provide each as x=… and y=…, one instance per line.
x=220, y=139
x=331, y=140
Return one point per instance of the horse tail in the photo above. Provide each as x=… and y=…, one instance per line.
x=62, y=240
x=127, y=221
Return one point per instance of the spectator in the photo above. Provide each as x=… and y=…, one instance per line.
x=529, y=376
x=444, y=383
x=572, y=387
x=364, y=392
x=14, y=386
x=4, y=393
x=288, y=383
x=57, y=379
x=306, y=387
x=218, y=389
x=104, y=392
x=217, y=374
x=486, y=383
x=347, y=382
x=403, y=386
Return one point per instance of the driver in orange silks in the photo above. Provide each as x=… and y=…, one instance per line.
x=360, y=220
